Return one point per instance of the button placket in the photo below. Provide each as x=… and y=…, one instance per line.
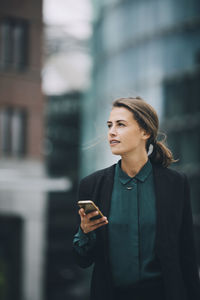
x=132, y=184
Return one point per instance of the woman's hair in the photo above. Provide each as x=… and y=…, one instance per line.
x=147, y=118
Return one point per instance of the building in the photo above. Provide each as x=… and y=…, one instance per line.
x=22, y=176
x=63, y=280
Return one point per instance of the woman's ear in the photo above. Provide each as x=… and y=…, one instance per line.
x=145, y=135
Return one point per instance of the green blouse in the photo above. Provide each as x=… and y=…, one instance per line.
x=131, y=227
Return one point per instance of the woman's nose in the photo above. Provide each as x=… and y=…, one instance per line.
x=112, y=131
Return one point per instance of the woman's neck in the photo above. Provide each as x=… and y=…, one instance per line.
x=132, y=165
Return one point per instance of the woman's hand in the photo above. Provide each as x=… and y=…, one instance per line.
x=88, y=225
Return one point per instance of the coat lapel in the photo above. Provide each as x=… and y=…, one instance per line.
x=109, y=181
x=162, y=193
x=106, y=192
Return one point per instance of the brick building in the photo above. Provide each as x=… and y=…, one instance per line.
x=21, y=100
x=22, y=194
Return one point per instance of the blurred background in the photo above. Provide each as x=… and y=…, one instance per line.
x=62, y=63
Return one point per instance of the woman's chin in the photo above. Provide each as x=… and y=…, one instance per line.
x=116, y=152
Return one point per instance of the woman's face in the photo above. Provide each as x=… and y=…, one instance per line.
x=124, y=134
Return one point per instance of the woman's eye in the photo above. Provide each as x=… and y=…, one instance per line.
x=109, y=125
x=121, y=124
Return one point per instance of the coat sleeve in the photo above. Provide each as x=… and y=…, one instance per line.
x=187, y=248
x=84, y=258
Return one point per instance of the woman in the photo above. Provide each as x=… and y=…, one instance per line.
x=143, y=247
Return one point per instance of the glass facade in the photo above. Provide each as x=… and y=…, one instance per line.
x=63, y=280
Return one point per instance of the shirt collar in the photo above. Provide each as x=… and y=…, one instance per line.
x=141, y=175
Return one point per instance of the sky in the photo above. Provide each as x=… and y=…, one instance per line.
x=73, y=15
x=67, y=24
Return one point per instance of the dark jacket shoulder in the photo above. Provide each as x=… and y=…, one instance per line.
x=169, y=172
x=89, y=183
x=97, y=175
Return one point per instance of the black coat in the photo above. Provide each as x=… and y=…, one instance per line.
x=174, y=245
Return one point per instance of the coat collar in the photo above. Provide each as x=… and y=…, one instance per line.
x=141, y=175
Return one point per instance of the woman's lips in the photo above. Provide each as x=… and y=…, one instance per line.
x=114, y=142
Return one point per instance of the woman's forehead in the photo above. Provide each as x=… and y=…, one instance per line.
x=120, y=113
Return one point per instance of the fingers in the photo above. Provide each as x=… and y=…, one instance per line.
x=87, y=224
x=89, y=215
x=81, y=212
x=98, y=221
x=92, y=214
x=99, y=225
x=91, y=226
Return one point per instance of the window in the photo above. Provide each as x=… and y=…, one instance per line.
x=13, y=44
x=13, y=132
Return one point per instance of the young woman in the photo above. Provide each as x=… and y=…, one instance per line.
x=143, y=247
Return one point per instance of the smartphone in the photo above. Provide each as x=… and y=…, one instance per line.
x=89, y=206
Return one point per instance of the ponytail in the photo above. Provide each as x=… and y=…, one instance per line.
x=161, y=155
